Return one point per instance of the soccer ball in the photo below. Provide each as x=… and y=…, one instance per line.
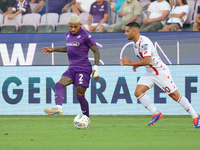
x=82, y=122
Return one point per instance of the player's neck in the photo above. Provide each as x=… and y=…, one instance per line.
x=99, y=2
x=136, y=38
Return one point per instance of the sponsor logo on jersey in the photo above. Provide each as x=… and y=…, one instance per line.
x=78, y=37
x=73, y=44
x=145, y=46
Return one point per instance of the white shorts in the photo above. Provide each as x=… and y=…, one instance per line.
x=94, y=24
x=163, y=80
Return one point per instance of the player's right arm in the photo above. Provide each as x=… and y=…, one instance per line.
x=48, y=50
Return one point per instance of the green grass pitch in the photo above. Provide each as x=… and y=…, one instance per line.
x=106, y=133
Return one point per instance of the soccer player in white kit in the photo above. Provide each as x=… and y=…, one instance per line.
x=156, y=73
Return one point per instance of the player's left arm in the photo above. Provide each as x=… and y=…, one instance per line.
x=95, y=72
x=145, y=61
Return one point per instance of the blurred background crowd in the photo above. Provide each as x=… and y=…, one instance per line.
x=50, y=16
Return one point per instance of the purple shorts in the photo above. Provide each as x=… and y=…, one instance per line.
x=80, y=76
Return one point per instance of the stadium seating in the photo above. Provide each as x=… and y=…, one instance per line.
x=191, y=4
x=112, y=18
x=62, y=25
x=29, y=23
x=53, y=22
x=11, y=25
x=1, y=20
x=84, y=18
x=48, y=23
x=33, y=6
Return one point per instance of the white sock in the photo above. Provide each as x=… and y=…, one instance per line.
x=147, y=103
x=58, y=106
x=183, y=101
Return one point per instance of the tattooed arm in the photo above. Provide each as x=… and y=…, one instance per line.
x=48, y=50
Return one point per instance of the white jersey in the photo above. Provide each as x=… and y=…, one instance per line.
x=143, y=48
x=157, y=72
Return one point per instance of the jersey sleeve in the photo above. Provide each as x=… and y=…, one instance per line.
x=146, y=48
x=15, y=7
x=89, y=40
x=24, y=8
x=91, y=10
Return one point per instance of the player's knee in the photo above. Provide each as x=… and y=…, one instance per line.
x=175, y=96
x=101, y=28
x=59, y=86
x=138, y=92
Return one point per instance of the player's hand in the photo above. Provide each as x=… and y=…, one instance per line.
x=64, y=9
x=10, y=16
x=134, y=68
x=146, y=20
x=95, y=73
x=47, y=50
x=125, y=61
x=92, y=28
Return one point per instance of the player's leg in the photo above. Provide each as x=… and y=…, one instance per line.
x=75, y=9
x=196, y=26
x=101, y=28
x=81, y=82
x=183, y=101
x=59, y=96
x=143, y=85
x=66, y=79
x=165, y=82
x=80, y=91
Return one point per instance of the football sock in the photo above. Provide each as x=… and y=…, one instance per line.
x=58, y=106
x=147, y=103
x=60, y=93
x=183, y=101
x=84, y=104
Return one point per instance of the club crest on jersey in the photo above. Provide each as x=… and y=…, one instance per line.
x=89, y=36
x=145, y=46
x=78, y=37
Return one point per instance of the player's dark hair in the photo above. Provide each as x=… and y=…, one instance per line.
x=133, y=24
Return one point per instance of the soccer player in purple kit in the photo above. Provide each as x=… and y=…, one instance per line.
x=78, y=43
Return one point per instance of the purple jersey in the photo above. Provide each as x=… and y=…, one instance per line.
x=98, y=11
x=78, y=47
x=22, y=6
x=54, y=6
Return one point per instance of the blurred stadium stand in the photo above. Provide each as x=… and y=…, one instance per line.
x=55, y=23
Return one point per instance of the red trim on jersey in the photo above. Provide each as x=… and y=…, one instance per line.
x=139, y=49
x=154, y=69
x=143, y=58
